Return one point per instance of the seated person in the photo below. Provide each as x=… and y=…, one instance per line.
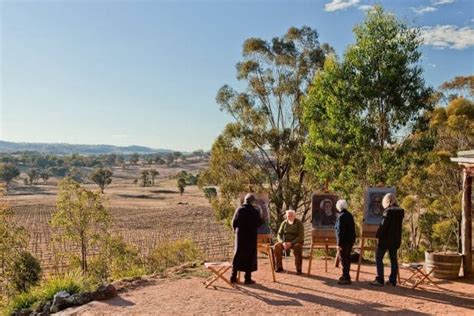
x=290, y=236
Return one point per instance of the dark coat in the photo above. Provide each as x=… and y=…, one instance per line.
x=390, y=229
x=245, y=223
x=345, y=229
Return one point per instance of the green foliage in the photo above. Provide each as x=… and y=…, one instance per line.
x=33, y=175
x=102, y=177
x=181, y=183
x=24, y=272
x=134, y=158
x=262, y=149
x=357, y=107
x=80, y=218
x=153, y=173
x=70, y=282
x=224, y=209
x=210, y=192
x=13, y=239
x=172, y=254
x=116, y=260
x=8, y=172
x=145, y=178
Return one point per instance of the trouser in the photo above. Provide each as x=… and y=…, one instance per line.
x=380, y=253
x=345, y=258
x=297, y=251
x=248, y=275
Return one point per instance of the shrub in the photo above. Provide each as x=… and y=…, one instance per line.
x=210, y=192
x=72, y=283
x=172, y=254
x=25, y=272
x=116, y=260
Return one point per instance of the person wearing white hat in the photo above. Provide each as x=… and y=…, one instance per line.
x=345, y=236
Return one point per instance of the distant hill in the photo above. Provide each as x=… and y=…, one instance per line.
x=65, y=149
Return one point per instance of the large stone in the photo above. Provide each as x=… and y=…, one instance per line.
x=104, y=292
x=60, y=302
x=23, y=312
x=80, y=298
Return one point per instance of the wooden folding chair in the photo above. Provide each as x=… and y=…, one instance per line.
x=218, y=269
x=418, y=275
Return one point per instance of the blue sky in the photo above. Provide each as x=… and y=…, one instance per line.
x=147, y=72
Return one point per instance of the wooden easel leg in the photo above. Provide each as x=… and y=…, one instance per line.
x=336, y=263
x=310, y=259
x=272, y=264
x=360, y=258
x=326, y=259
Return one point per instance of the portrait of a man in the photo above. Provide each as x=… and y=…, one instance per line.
x=324, y=210
x=262, y=204
x=373, y=210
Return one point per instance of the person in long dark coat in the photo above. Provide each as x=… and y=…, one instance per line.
x=389, y=236
x=245, y=224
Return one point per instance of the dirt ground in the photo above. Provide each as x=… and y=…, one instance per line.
x=291, y=294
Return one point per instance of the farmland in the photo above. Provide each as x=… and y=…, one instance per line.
x=144, y=216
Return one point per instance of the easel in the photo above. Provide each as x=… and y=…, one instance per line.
x=322, y=239
x=264, y=245
x=368, y=233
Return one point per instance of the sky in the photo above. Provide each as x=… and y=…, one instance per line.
x=147, y=72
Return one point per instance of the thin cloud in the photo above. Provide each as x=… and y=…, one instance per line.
x=335, y=5
x=441, y=2
x=423, y=10
x=365, y=7
x=448, y=36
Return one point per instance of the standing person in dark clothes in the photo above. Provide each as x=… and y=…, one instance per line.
x=245, y=223
x=345, y=235
x=389, y=237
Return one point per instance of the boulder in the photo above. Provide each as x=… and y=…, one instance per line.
x=80, y=298
x=60, y=302
x=23, y=312
x=104, y=292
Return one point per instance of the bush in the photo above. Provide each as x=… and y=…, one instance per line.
x=38, y=295
x=172, y=254
x=25, y=272
x=210, y=192
x=116, y=260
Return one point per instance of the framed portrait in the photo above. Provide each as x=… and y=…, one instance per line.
x=323, y=208
x=373, y=209
x=262, y=204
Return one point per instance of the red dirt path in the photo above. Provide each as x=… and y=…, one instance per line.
x=291, y=294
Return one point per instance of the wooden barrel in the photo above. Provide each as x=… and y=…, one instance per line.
x=447, y=265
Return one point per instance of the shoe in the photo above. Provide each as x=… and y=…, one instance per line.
x=344, y=281
x=279, y=270
x=233, y=280
x=390, y=283
x=249, y=282
x=376, y=283
x=299, y=272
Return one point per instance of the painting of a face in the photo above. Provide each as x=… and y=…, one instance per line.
x=324, y=210
x=262, y=205
x=373, y=210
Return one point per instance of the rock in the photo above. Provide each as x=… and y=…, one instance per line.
x=80, y=298
x=104, y=292
x=46, y=309
x=23, y=312
x=60, y=302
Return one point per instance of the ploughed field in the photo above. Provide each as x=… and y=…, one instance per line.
x=144, y=216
